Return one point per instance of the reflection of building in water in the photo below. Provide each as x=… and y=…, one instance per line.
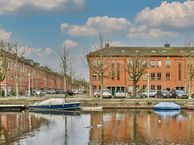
x=140, y=128
x=14, y=125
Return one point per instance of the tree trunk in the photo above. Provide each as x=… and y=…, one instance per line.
x=189, y=89
x=101, y=89
x=65, y=83
x=17, y=89
x=134, y=89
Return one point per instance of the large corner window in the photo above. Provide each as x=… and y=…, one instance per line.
x=118, y=71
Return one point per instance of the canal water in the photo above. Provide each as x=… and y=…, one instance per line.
x=109, y=127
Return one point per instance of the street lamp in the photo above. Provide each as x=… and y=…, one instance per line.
x=29, y=85
x=148, y=87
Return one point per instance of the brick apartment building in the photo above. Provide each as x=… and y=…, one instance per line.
x=40, y=77
x=167, y=68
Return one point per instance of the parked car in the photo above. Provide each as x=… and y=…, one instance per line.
x=39, y=93
x=163, y=94
x=119, y=94
x=97, y=93
x=106, y=93
x=181, y=94
x=151, y=93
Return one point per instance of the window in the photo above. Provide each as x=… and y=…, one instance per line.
x=167, y=76
x=152, y=63
x=180, y=74
x=99, y=87
x=159, y=76
x=144, y=87
x=118, y=71
x=112, y=72
x=152, y=76
x=159, y=87
x=144, y=64
x=152, y=87
x=159, y=63
x=94, y=77
x=167, y=63
x=94, y=87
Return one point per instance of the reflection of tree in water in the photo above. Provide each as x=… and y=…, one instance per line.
x=66, y=133
x=138, y=136
x=15, y=125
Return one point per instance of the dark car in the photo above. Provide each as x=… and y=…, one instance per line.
x=163, y=94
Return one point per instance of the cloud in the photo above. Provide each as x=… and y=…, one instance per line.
x=175, y=14
x=106, y=24
x=78, y=30
x=4, y=35
x=18, y=6
x=142, y=31
x=38, y=52
x=94, y=25
x=44, y=56
x=70, y=43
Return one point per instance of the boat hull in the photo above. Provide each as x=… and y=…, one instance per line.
x=65, y=106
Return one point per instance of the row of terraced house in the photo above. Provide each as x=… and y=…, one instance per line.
x=40, y=77
x=167, y=68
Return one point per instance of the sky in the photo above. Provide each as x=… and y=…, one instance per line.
x=45, y=26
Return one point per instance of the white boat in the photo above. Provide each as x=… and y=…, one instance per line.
x=55, y=104
x=96, y=108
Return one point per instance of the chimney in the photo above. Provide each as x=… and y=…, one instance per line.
x=107, y=45
x=167, y=45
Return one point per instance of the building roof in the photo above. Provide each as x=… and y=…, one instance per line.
x=143, y=51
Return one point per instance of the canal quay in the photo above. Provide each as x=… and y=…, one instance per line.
x=121, y=122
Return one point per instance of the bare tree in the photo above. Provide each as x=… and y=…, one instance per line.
x=65, y=64
x=190, y=64
x=136, y=67
x=3, y=63
x=99, y=63
x=16, y=54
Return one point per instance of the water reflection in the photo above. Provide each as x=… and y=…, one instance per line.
x=167, y=113
x=14, y=125
x=110, y=127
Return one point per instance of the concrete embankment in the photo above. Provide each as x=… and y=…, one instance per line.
x=106, y=103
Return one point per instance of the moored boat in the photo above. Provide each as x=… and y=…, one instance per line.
x=167, y=106
x=54, y=105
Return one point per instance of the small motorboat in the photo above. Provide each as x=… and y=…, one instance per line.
x=167, y=106
x=54, y=104
x=96, y=108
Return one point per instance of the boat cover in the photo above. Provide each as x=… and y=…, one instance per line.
x=167, y=106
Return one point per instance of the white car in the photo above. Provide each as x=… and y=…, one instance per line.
x=106, y=93
x=119, y=94
x=97, y=93
x=151, y=93
x=181, y=94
